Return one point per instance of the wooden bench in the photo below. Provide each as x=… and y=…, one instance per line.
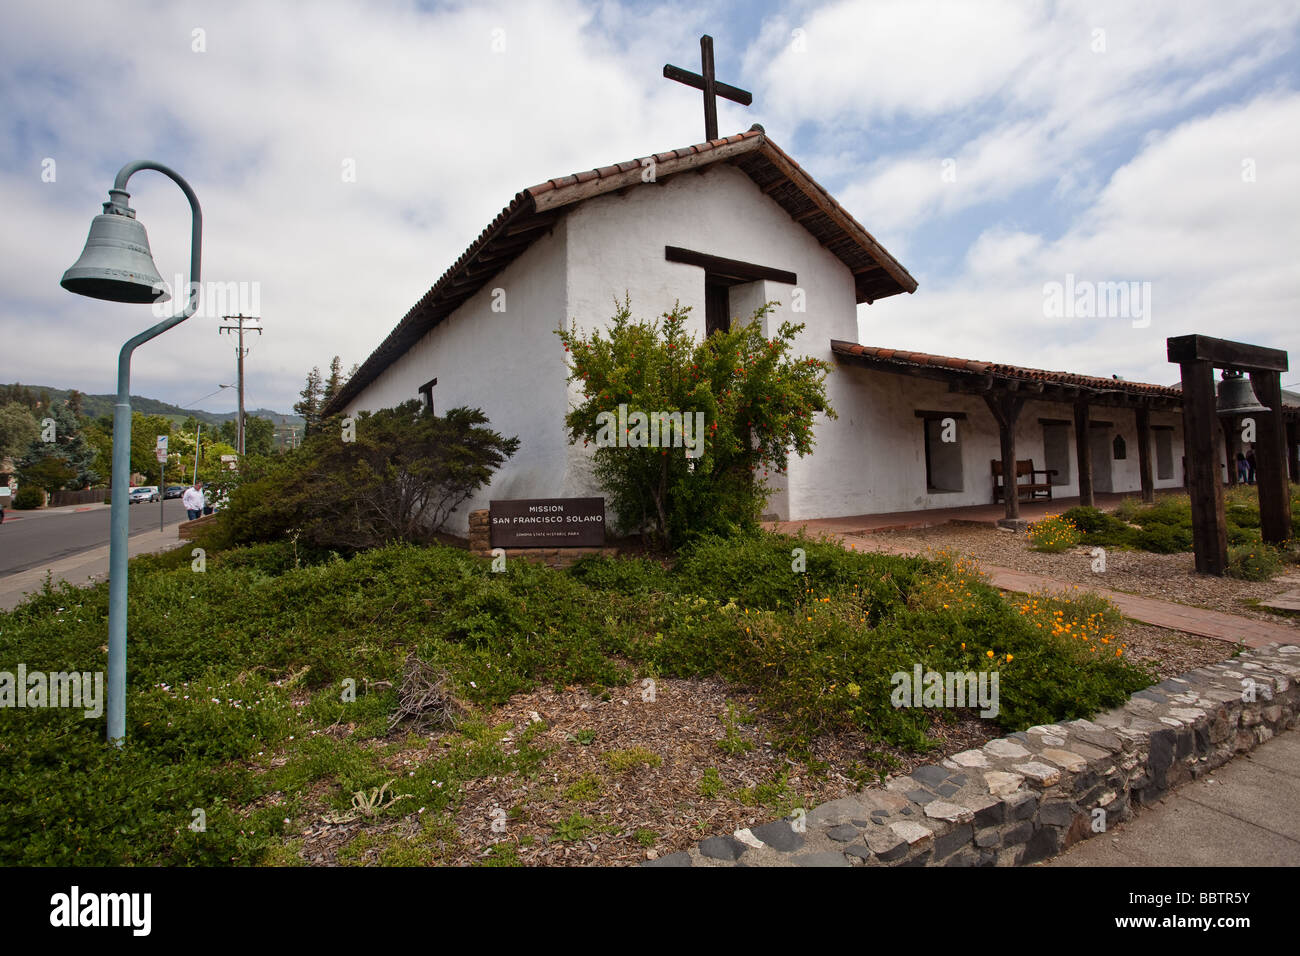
x=1031, y=488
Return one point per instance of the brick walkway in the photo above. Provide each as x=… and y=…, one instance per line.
x=859, y=532
x=931, y=517
x=1177, y=617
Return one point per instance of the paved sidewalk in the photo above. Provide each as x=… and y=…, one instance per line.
x=13, y=514
x=1246, y=813
x=87, y=567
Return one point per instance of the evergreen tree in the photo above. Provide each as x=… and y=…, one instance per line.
x=41, y=463
x=18, y=429
x=259, y=435
x=335, y=380
x=313, y=394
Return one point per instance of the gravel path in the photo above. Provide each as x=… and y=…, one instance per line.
x=1169, y=577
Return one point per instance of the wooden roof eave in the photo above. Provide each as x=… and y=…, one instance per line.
x=976, y=383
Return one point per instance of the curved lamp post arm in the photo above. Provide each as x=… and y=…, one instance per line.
x=196, y=233
x=120, y=516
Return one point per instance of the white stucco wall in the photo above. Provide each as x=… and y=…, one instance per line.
x=886, y=467
x=616, y=245
x=510, y=364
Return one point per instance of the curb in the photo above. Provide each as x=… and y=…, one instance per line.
x=1032, y=794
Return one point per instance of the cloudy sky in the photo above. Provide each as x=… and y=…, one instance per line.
x=993, y=147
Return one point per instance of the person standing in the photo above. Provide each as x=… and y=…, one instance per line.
x=193, y=500
x=1243, y=469
x=1250, y=464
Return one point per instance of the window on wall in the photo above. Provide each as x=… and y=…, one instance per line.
x=1056, y=449
x=717, y=306
x=1120, y=448
x=426, y=395
x=720, y=275
x=941, y=437
x=1164, y=439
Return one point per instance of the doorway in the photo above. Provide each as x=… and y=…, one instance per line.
x=1100, y=447
x=1056, y=450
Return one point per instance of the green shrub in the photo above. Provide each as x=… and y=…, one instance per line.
x=400, y=478
x=1254, y=562
x=759, y=571
x=1173, y=511
x=623, y=575
x=755, y=399
x=1164, y=539
x=1053, y=534
x=1127, y=510
x=241, y=663
x=1238, y=535
x=1243, y=515
x=28, y=497
x=1100, y=528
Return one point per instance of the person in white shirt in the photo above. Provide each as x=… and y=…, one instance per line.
x=193, y=500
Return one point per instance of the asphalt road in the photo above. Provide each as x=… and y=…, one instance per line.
x=28, y=540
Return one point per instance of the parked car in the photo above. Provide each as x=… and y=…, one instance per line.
x=174, y=491
x=144, y=493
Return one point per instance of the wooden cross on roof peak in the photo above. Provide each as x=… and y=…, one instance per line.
x=704, y=80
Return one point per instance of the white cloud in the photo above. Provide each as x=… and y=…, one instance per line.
x=444, y=131
x=1218, y=251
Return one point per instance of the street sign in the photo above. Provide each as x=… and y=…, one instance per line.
x=160, y=449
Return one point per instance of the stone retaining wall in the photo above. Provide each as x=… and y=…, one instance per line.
x=1028, y=796
x=480, y=544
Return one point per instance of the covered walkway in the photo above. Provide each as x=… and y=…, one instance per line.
x=931, y=517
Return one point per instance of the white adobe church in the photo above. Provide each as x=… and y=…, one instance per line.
x=723, y=226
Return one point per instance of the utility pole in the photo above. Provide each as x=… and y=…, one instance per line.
x=240, y=352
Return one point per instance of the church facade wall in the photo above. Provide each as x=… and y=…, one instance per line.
x=871, y=459
x=616, y=246
x=508, y=363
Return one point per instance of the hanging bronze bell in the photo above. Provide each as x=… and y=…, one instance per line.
x=1237, y=396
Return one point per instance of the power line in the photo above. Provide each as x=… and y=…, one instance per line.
x=197, y=400
x=240, y=352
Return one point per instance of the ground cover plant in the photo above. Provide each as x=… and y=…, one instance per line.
x=1166, y=528
x=274, y=682
x=1053, y=534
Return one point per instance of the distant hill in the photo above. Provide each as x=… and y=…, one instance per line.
x=96, y=406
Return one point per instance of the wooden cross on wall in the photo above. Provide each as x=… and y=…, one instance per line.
x=711, y=87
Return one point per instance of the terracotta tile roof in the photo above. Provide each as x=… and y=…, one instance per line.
x=904, y=360
x=533, y=211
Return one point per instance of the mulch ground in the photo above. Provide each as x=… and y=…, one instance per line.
x=649, y=811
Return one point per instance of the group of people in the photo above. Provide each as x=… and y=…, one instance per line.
x=1246, y=467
